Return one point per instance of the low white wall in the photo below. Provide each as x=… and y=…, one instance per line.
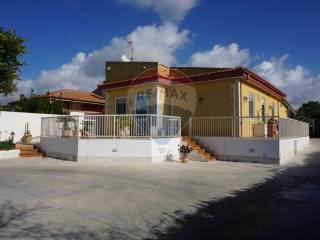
x=165, y=149
x=292, y=146
x=10, y=154
x=128, y=150
x=16, y=121
x=272, y=151
x=61, y=148
x=244, y=150
x=114, y=149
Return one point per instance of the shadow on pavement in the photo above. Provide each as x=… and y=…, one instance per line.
x=284, y=207
x=15, y=224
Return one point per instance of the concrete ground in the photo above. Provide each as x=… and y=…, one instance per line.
x=53, y=199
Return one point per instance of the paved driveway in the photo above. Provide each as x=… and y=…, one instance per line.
x=53, y=199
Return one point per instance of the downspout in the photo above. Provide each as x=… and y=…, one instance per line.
x=237, y=107
x=240, y=107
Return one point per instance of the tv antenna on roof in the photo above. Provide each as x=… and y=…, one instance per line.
x=130, y=46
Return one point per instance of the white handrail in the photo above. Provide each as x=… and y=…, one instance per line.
x=247, y=127
x=107, y=126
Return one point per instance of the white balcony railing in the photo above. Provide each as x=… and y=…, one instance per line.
x=111, y=126
x=247, y=127
x=289, y=128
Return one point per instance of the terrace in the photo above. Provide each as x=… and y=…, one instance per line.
x=130, y=137
x=154, y=138
x=267, y=139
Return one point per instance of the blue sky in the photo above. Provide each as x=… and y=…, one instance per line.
x=68, y=40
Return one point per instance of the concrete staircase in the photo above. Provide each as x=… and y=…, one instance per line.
x=200, y=150
x=28, y=150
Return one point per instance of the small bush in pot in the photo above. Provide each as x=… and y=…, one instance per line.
x=123, y=124
x=66, y=130
x=184, y=150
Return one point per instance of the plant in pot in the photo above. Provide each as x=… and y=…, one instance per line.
x=86, y=125
x=27, y=137
x=272, y=127
x=76, y=131
x=123, y=124
x=66, y=129
x=184, y=150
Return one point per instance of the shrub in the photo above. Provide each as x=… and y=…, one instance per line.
x=6, y=145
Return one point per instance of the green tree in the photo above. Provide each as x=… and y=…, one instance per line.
x=12, y=47
x=309, y=110
x=38, y=104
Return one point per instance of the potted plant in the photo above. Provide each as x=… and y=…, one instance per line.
x=86, y=124
x=272, y=127
x=27, y=137
x=76, y=132
x=123, y=124
x=66, y=129
x=184, y=150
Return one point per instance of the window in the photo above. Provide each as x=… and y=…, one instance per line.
x=141, y=104
x=272, y=109
x=251, y=104
x=263, y=108
x=121, y=105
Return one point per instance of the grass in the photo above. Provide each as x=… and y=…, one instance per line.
x=6, y=145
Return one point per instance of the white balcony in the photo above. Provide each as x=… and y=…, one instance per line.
x=143, y=137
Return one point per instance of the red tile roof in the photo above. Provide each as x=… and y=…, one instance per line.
x=75, y=95
x=244, y=73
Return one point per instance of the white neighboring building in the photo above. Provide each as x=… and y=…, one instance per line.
x=16, y=122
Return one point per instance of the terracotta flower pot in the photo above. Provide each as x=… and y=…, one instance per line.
x=183, y=158
x=67, y=133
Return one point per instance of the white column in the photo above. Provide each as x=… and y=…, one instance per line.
x=158, y=100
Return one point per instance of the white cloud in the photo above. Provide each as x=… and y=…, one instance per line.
x=160, y=43
x=151, y=43
x=172, y=10
x=297, y=82
x=84, y=72
x=220, y=56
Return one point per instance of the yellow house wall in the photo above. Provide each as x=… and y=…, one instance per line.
x=254, y=127
x=112, y=95
x=131, y=93
x=215, y=98
x=280, y=109
x=283, y=110
x=212, y=99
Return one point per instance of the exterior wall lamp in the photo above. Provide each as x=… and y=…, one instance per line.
x=245, y=99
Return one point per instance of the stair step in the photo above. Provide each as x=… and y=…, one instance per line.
x=24, y=147
x=201, y=151
x=211, y=159
x=28, y=150
x=186, y=138
x=32, y=155
x=31, y=151
x=194, y=145
x=198, y=148
x=207, y=155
